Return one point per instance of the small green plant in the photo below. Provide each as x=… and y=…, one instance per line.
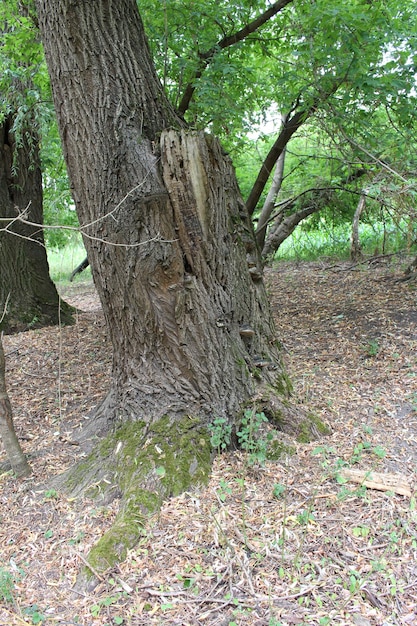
x=358, y=451
x=372, y=348
x=379, y=452
x=249, y=436
x=51, y=494
x=34, y=613
x=34, y=321
x=223, y=491
x=77, y=539
x=305, y=517
x=6, y=585
x=221, y=432
x=95, y=609
x=278, y=490
x=361, y=531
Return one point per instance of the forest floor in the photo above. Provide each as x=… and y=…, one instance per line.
x=284, y=544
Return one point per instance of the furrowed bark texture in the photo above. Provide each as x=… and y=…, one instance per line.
x=165, y=228
x=25, y=285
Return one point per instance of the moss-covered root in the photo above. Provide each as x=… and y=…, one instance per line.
x=286, y=416
x=148, y=465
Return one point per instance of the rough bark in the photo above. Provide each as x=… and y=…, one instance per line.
x=11, y=444
x=165, y=228
x=172, y=254
x=25, y=284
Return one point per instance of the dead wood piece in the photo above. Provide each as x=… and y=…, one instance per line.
x=382, y=482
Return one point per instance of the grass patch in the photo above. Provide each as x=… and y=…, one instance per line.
x=334, y=242
x=62, y=261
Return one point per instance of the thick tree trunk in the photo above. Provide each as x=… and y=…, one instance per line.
x=172, y=254
x=33, y=300
x=7, y=432
x=165, y=227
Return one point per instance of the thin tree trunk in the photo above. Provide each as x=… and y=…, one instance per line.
x=355, y=245
x=11, y=444
x=313, y=201
x=268, y=206
x=285, y=228
x=289, y=128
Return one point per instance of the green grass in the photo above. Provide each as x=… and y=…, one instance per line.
x=63, y=261
x=334, y=241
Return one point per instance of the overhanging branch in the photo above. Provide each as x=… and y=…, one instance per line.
x=227, y=42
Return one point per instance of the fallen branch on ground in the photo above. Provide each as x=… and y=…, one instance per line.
x=382, y=482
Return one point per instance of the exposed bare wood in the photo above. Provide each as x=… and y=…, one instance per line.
x=382, y=482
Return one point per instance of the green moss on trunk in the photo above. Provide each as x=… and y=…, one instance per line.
x=144, y=465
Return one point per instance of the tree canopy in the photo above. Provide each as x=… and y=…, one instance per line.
x=348, y=68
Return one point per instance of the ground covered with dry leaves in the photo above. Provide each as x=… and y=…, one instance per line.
x=287, y=543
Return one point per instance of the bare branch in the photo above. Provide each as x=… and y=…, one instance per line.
x=3, y=315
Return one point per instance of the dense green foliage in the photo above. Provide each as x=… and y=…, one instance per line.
x=346, y=69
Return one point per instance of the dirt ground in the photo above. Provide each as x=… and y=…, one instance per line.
x=292, y=542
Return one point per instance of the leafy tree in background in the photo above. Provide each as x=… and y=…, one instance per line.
x=231, y=74
x=339, y=63
x=26, y=290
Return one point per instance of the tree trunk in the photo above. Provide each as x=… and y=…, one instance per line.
x=309, y=202
x=172, y=254
x=165, y=228
x=355, y=244
x=268, y=206
x=7, y=432
x=33, y=300
x=285, y=227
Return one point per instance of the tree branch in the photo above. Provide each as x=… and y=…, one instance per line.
x=226, y=42
x=317, y=198
x=289, y=128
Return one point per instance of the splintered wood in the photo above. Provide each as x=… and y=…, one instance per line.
x=398, y=483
